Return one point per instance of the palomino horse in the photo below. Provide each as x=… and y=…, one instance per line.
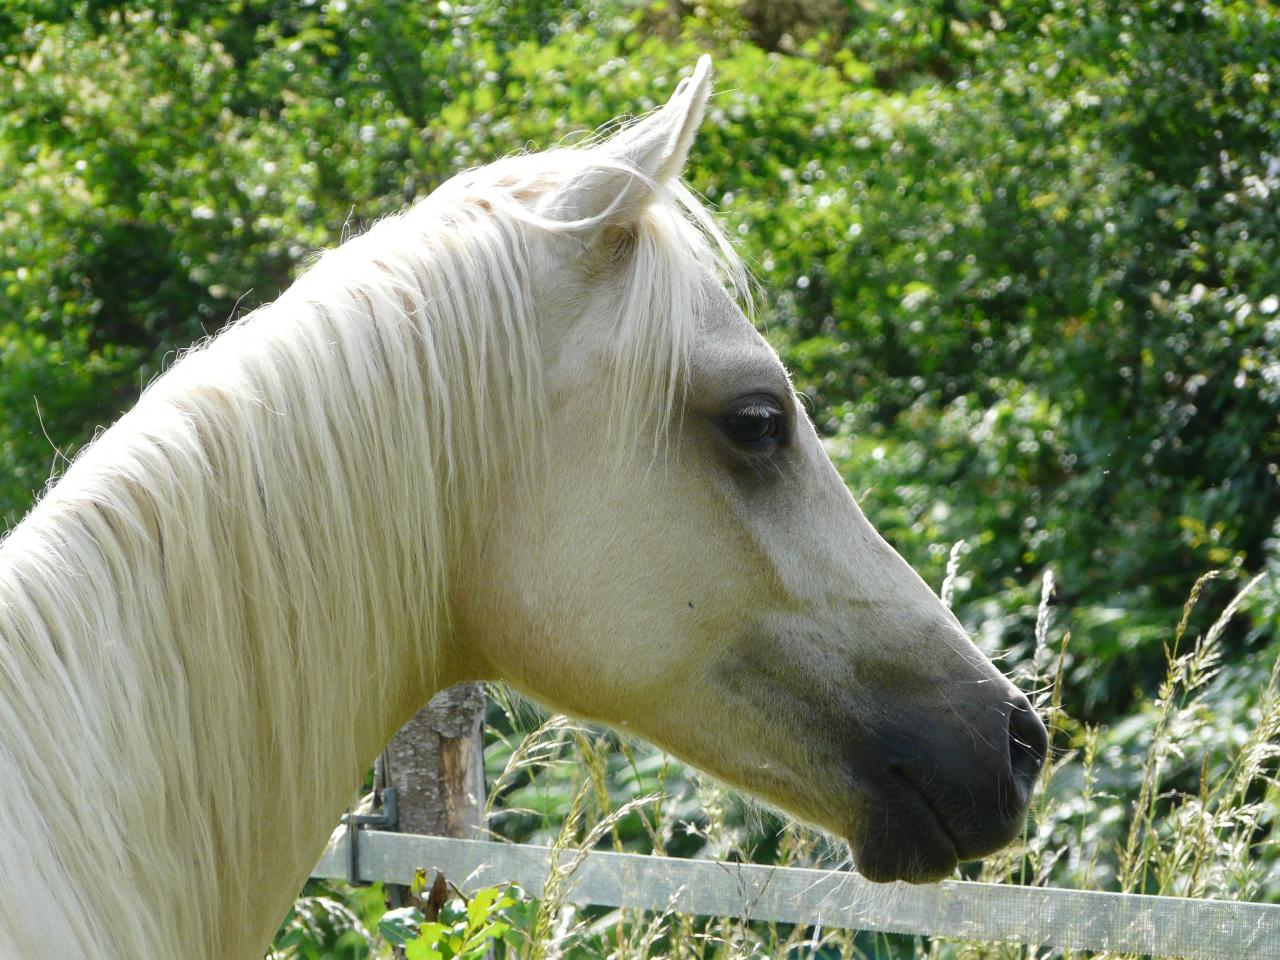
x=521, y=432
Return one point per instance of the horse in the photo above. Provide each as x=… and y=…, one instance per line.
x=523, y=431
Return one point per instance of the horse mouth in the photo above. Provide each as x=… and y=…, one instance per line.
x=921, y=795
x=902, y=835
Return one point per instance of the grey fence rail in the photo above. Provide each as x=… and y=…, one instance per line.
x=1073, y=919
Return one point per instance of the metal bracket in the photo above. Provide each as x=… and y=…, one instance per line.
x=388, y=819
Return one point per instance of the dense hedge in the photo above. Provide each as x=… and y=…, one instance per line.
x=1022, y=257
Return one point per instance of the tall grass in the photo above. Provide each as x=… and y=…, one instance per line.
x=1189, y=814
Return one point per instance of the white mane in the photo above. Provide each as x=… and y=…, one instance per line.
x=195, y=618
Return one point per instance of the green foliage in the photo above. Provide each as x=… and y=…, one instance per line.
x=1022, y=259
x=349, y=924
x=466, y=929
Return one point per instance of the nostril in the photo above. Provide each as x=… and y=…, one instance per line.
x=1028, y=745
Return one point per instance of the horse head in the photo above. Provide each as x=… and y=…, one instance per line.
x=688, y=566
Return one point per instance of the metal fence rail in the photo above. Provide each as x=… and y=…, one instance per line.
x=1075, y=919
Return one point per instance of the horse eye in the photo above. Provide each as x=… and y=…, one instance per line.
x=754, y=427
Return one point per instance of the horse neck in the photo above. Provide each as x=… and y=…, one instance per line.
x=225, y=609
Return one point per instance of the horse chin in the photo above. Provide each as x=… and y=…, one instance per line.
x=902, y=838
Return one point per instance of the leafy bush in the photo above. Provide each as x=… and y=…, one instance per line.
x=1023, y=261
x=323, y=927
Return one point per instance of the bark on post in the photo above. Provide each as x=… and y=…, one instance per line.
x=436, y=764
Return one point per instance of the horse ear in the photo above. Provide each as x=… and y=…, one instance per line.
x=634, y=163
x=659, y=144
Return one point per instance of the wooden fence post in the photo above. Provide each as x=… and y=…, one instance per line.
x=436, y=764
